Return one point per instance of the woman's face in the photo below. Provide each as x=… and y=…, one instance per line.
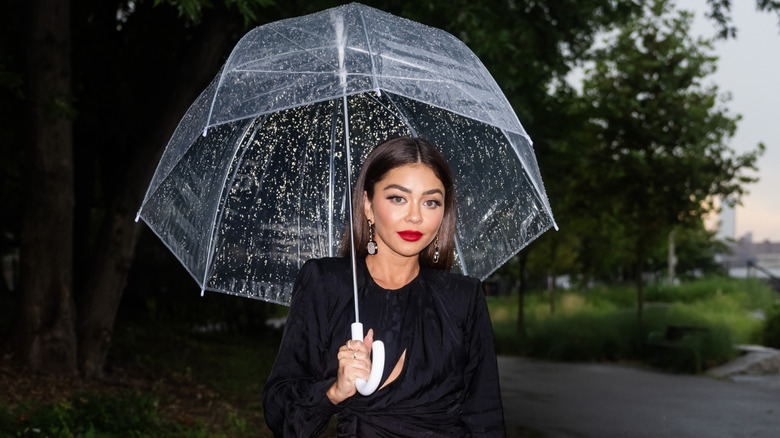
x=407, y=210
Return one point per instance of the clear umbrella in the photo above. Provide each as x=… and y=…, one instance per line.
x=256, y=178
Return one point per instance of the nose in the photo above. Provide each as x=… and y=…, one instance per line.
x=414, y=214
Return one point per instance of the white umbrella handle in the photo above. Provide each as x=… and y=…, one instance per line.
x=377, y=362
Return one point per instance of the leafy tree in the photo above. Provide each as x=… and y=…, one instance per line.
x=662, y=134
x=695, y=250
x=720, y=14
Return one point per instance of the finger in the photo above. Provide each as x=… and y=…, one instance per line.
x=348, y=356
x=359, y=346
x=358, y=359
x=355, y=360
x=368, y=341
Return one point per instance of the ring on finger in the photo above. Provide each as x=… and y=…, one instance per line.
x=349, y=344
x=354, y=355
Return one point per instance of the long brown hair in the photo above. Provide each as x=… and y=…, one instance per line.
x=388, y=155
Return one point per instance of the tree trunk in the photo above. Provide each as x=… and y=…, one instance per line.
x=640, y=298
x=551, y=276
x=115, y=248
x=522, y=259
x=44, y=333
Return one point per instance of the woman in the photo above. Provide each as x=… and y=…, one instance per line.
x=440, y=377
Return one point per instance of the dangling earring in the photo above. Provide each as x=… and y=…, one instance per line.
x=371, y=245
x=436, y=249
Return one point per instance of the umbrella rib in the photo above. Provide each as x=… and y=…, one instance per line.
x=304, y=163
x=218, y=214
x=292, y=53
x=538, y=191
x=272, y=26
x=402, y=115
x=303, y=49
x=332, y=178
x=370, y=52
x=464, y=269
x=270, y=59
x=255, y=297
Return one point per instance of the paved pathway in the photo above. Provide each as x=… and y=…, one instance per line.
x=544, y=399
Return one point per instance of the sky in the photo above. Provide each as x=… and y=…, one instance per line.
x=749, y=69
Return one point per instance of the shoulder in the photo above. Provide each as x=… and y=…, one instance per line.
x=326, y=265
x=459, y=296
x=453, y=290
x=315, y=269
x=324, y=275
x=450, y=281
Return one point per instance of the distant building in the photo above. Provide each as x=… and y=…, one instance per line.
x=727, y=222
x=744, y=251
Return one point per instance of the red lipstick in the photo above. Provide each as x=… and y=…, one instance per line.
x=410, y=236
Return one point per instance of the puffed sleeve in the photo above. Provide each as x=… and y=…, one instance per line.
x=482, y=410
x=295, y=403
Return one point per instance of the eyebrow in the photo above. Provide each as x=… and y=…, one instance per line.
x=405, y=190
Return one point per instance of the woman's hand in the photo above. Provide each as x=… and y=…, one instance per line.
x=354, y=363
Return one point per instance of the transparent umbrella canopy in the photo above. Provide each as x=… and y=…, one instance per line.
x=256, y=178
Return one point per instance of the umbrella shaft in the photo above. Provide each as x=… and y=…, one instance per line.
x=348, y=154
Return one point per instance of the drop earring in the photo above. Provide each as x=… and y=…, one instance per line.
x=371, y=245
x=436, y=249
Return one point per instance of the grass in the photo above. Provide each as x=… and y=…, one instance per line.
x=601, y=324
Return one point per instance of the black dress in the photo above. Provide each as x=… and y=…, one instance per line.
x=449, y=383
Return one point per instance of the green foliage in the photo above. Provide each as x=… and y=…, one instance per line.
x=644, y=151
x=662, y=135
x=194, y=10
x=698, y=349
x=600, y=324
x=720, y=13
x=772, y=328
x=695, y=250
x=585, y=336
x=125, y=413
x=7, y=420
x=750, y=293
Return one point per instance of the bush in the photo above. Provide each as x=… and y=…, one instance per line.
x=694, y=351
x=7, y=421
x=585, y=336
x=601, y=324
x=751, y=293
x=91, y=415
x=772, y=328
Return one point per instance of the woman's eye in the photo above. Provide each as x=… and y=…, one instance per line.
x=397, y=199
x=432, y=203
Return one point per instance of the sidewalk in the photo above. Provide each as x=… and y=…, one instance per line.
x=548, y=399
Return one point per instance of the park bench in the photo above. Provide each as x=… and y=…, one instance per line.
x=676, y=347
x=673, y=336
